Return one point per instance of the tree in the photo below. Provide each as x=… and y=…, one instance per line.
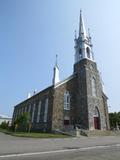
x=4, y=125
x=22, y=122
x=114, y=120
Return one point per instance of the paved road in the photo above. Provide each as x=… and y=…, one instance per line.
x=92, y=148
x=96, y=154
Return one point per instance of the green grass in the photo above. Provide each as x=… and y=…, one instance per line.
x=39, y=135
x=5, y=131
x=34, y=135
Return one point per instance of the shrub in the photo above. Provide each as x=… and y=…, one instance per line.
x=22, y=122
x=4, y=125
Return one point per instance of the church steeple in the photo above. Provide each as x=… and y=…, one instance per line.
x=82, y=30
x=56, y=78
x=83, y=46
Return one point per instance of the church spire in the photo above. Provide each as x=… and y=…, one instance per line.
x=83, y=46
x=82, y=30
x=56, y=60
x=56, y=78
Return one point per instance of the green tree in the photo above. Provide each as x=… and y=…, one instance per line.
x=4, y=125
x=114, y=119
x=22, y=122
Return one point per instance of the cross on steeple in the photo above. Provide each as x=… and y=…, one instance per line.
x=56, y=61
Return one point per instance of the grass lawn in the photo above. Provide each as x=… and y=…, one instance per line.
x=34, y=135
x=40, y=135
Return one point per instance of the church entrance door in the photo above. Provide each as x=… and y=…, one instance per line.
x=66, y=122
x=96, y=118
x=96, y=123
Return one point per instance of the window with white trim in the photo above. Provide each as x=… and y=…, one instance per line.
x=93, y=87
x=22, y=110
x=88, y=52
x=29, y=108
x=66, y=100
x=18, y=112
x=46, y=110
x=25, y=109
x=33, y=113
x=38, y=113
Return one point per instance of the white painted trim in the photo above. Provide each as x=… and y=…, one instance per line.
x=33, y=113
x=29, y=108
x=38, y=112
x=46, y=110
x=56, y=78
x=66, y=98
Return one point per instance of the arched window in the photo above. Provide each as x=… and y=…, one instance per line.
x=80, y=53
x=38, y=112
x=88, y=52
x=66, y=101
x=96, y=112
x=93, y=87
x=46, y=110
x=33, y=113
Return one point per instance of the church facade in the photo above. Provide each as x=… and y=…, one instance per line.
x=79, y=100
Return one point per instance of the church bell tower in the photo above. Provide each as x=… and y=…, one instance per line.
x=91, y=101
x=83, y=46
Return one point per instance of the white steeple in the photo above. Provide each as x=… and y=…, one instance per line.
x=82, y=31
x=56, y=78
x=83, y=46
x=28, y=95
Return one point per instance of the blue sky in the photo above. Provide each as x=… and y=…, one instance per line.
x=32, y=32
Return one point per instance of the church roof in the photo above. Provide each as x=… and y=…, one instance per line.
x=4, y=116
x=64, y=81
x=40, y=92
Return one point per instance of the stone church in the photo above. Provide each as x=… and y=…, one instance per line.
x=78, y=100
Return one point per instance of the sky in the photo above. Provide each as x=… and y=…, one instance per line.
x=32, y=32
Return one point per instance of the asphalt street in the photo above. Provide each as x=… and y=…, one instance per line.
x=92, y=148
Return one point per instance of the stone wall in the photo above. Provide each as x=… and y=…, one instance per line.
x=58, y=106
x=86, y=70
x=28, y=105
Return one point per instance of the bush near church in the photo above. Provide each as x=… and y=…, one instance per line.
x=22, y=123
x=114, y=120
x=4, y=125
